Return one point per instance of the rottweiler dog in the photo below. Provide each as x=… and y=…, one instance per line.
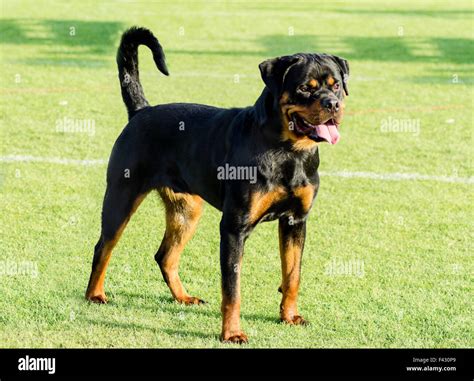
x=258, y=163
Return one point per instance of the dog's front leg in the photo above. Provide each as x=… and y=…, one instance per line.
x=231, y=252
x=291, y=236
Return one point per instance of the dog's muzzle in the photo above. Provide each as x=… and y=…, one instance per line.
x=322, y=132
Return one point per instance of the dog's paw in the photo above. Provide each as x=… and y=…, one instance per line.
x=190, y=300
x=295, y=320
x=97, y=298
x=234, y=338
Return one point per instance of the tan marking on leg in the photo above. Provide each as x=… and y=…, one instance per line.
x=231, y=321
x=230, y=309
x=260, y=203
x=95, y=290
x=290, y=254
x=306, y=196
x=183, y=211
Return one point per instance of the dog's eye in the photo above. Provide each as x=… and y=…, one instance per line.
x=304, y=88
x=307, y=89
x=336, y=86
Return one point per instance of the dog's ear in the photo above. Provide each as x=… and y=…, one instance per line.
x=264, y=107
x=274, y=70
x=344, y=69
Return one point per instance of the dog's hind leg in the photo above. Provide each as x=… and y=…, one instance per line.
x=182, y=215
x=119, y=205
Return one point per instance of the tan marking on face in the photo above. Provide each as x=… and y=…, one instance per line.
x=340, y=114
x=260, y=203
x=300, y=143
x=310, y=113
x=284, y=98
x=304, y=143
x=313, y=83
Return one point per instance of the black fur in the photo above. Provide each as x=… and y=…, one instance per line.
x=127, y=62
x=180, y=146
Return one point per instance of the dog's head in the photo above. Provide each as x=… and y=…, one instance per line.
x=309, y=91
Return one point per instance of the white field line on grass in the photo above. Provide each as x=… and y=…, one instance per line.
x=398, y=176
x=49, y=160
x=343, y=174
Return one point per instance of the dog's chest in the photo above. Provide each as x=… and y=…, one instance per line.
x=279, y=202
x=280, y=168
x=288, y=187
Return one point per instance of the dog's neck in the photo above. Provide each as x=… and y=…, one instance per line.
x=269, y=123
x=267, y=115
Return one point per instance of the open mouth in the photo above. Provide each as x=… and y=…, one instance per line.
x=323, y=132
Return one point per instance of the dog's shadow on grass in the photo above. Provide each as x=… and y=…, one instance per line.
x=166, y=304
x=145, y=327
x=162, y=303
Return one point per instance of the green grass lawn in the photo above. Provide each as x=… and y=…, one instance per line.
x=411, y=240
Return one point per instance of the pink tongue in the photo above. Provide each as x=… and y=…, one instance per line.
x=328, y=132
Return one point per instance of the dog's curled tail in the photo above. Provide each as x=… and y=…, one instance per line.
x=127, y=61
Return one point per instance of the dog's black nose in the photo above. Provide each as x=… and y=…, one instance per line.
x=332, y=105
